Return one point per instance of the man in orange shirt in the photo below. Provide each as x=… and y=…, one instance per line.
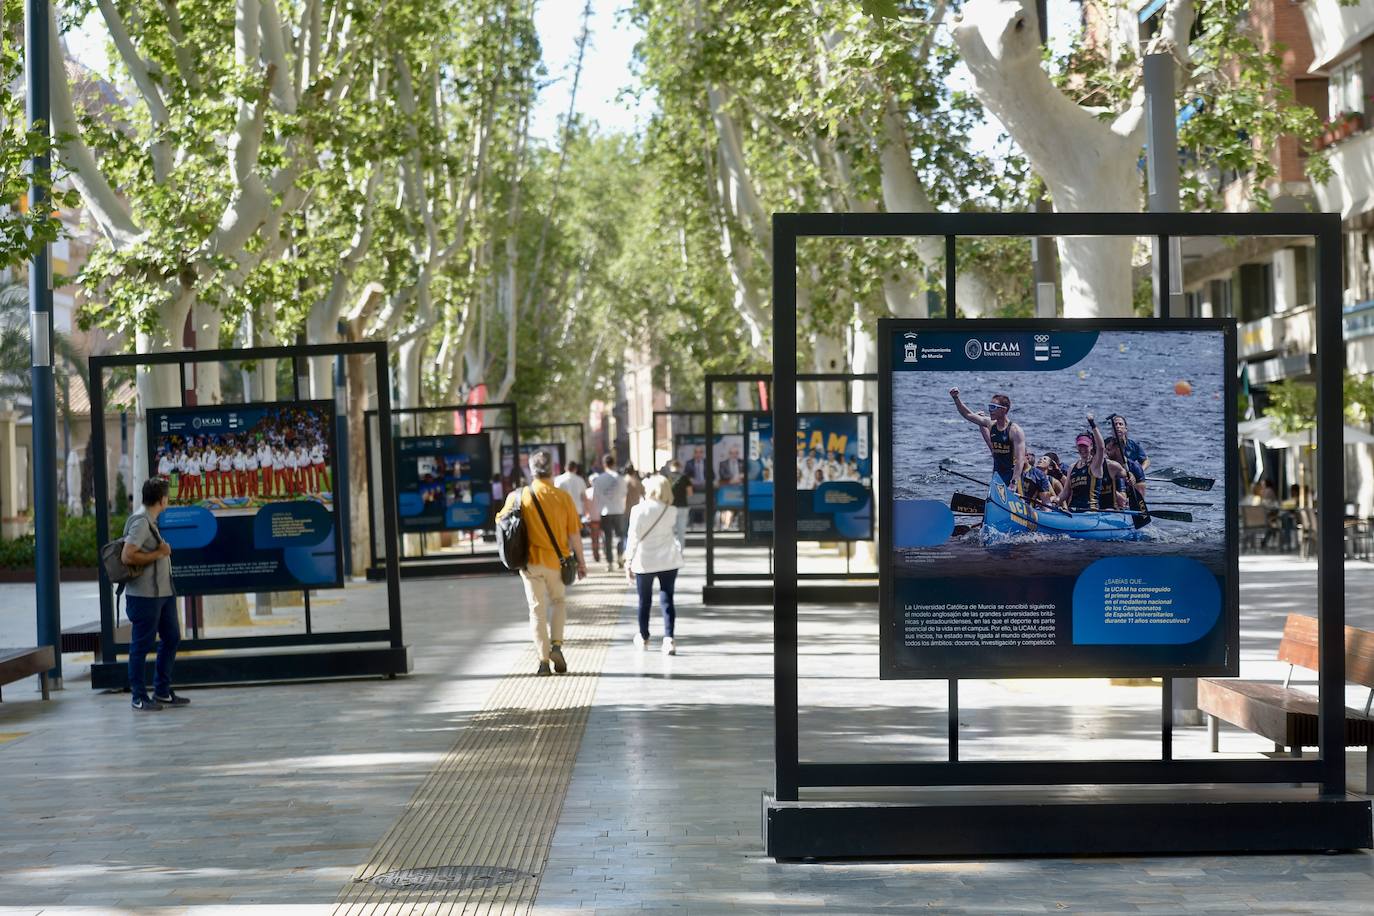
x=544, y=590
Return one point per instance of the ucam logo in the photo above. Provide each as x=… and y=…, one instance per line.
x=976, y=348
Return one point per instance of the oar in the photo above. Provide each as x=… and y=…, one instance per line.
x=1191, y=483
x=963, y=504
x=961, y=530
x=965, y=476
x=1179, y=502
x=1163, y=513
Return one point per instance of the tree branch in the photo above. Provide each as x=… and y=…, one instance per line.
x=147, y=87
x=108, y=209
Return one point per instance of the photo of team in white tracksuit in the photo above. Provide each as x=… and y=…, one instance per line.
x=284, y=456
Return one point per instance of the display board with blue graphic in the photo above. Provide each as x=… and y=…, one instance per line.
x=443, y=483
x=251, y=496
x=557, y=451
x=1058, y=499
x=834, y=467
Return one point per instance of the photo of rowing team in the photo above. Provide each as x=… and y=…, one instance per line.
x=281, y=457
x=1109, y=473
x=815, y=468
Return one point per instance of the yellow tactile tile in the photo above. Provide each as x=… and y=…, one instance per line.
x=495, y=797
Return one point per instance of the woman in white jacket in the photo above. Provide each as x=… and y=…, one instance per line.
x=654, y=550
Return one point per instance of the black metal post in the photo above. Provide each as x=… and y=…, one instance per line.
x=951, y=267
x=952, y=724
x=343, y=499
x=102, y=503
x=1330, y=500
x=787, y=774
x=46, y=571
x=710, y=473
x=389, y=521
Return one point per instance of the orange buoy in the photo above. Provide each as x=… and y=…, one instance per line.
x=1181, y=387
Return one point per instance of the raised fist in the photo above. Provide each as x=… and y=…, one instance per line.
x=954, y=393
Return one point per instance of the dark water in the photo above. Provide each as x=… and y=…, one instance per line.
x=1129, y=372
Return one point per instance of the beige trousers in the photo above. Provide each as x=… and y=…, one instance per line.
x=546, y=595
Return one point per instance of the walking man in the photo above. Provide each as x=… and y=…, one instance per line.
x=608, y=501
x=152, y=606
x=545, y=592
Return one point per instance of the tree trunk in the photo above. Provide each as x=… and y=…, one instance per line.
x=1088, y=165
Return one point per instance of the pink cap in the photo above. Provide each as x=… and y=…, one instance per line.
x=1083, y=439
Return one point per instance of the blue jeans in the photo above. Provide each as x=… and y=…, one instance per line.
x=644, y=582
x=152, y=618
x=613, y=531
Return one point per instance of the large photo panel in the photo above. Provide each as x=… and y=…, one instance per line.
x=251, y=493
x=834, y=468
x=1057, y=499
x=443, y=483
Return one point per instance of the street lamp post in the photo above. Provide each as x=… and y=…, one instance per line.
x=40, y=335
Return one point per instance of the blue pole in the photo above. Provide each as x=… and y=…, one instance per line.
x=40, y=375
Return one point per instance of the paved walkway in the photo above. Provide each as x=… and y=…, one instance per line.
x=275, y=799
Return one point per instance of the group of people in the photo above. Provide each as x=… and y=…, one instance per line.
x=642, y=520
x=275, y=459
x=1108, y=474
x=815, y=468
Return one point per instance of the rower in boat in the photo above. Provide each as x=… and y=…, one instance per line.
x=1086, y=488
x=1036, y=485
x=1004, y=438
x=1132, y=449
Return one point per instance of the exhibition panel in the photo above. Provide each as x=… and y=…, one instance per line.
x=256, y=513
x=996, y=564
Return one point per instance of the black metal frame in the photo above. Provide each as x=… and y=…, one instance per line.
x=1295, y=818
x=581, y=436
x=756, y=592
x=437, y=564
x=108, y=673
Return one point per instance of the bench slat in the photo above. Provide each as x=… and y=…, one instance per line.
x=1299, y=647
x=17, y=664
x=1281, y=714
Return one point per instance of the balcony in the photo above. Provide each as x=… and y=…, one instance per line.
x=1350, y=191
x=1336, y=29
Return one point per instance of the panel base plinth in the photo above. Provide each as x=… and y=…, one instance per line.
x=762, y=595
x=437, y=569
x=241, y=667
x=1070, y=820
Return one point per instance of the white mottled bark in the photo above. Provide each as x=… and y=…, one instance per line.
x=1089, y=165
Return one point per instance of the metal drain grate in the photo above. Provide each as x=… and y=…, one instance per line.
x=450, y=877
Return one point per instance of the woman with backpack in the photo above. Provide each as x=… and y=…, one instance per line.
x=654, y=552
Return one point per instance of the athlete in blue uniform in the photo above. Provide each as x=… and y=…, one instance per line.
x=1130, y=485
x=1132, y=449
x=1088, y=486
x=1003, y=437
x=1036, y=485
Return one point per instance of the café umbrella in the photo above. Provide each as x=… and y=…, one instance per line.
x=1262, y=430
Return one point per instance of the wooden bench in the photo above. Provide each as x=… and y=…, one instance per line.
x=1287, y=716
x=17, y=664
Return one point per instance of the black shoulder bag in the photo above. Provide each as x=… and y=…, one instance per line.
x=567, y=566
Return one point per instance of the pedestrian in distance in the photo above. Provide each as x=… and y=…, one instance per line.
x=634, y=488
x=545, y=592
x=151, y=606
x=654, y=552
x=682, y=493
x=608, y=501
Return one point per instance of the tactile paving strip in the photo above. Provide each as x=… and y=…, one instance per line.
x=494, y=800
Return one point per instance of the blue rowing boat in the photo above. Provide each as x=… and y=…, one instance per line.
x=1006, y=512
